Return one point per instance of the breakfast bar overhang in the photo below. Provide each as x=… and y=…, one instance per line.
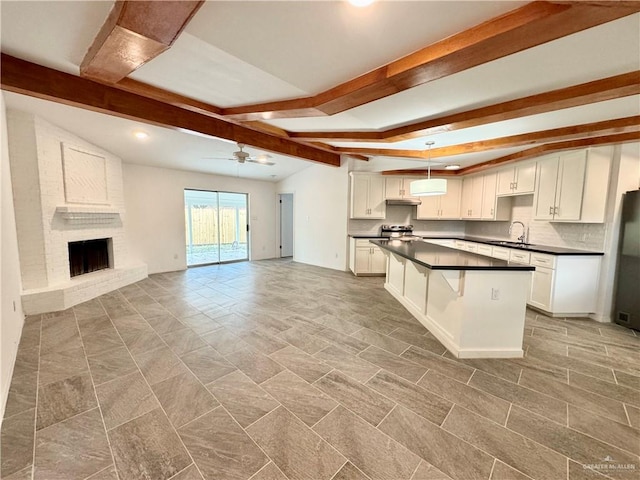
x=475, y=305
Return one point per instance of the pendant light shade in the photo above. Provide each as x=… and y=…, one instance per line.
x=428, y=186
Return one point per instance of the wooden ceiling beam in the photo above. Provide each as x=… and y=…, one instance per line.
x=537, y=151
x=21, y=76
x=610, y=88
x=135, y=32
x=606, y=127
x=528, y=26
x=551, y=148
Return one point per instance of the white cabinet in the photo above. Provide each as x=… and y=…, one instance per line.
x=479, y=199
x=486, y=250
x=564, y=285
x=367, y=196
x=573, y=186
x=472, y=197
x=366, y=258
x=441, y=207
x=517, y=180
x=560, y=186
x=541, y=288
x=494, y=207
x=397, y=188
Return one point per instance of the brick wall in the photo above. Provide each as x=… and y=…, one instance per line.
x=37, y=154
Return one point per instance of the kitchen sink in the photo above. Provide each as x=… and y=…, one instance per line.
x=511, y=244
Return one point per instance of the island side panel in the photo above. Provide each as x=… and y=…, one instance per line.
x=492, y=325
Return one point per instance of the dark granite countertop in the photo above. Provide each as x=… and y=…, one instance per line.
x=500, y=243
x=436, y=257
x=526, y=247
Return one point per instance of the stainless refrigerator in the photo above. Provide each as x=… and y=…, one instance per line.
x=627, y=298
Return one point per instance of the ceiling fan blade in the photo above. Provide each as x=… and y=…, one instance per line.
x=260, y=162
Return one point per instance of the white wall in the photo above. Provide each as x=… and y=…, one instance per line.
x=154, y=204
x=625, y=177
x=320, y=213
x=12, y=317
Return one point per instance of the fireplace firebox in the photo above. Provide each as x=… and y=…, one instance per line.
x=88, y=256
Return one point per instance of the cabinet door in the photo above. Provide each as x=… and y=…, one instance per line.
x=429, y=208
x=545, y=197
x=505, y=181
x=489, y=196
x=406, y=188
x=525, y=178
x=377, y=204
x=378, y=261
x=541, y=287
x=393, y=187
x=471, y=197
x=363, y=259
x=570, y=185
x=450, y=202
x=359, y=196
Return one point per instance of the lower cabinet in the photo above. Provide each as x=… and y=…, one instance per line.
x=366, y=258
x=541, y=285
x=561, y=285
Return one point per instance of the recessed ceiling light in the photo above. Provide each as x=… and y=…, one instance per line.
x=360, y=3
x=140, y=135
x=452, y=167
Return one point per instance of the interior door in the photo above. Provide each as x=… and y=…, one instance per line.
x=286, y=225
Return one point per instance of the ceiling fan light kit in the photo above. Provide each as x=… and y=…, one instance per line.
x=428, y=186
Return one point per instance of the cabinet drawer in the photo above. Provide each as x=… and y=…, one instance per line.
x=471, y=247
x=519, y=257
x=485, y=250
x=460, y=245
x=501, y=253
x=542, y=260
x=363, y=242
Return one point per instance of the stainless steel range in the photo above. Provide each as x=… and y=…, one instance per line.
x=398, y=232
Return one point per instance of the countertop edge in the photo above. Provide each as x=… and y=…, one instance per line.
x=508, y=267
x=548, y=249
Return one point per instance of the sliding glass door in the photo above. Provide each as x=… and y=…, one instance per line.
x=216, y=227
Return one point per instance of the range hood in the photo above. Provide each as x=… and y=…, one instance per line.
x=404, y=201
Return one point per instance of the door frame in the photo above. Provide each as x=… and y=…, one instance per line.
x=279, y=225
x=248, y=227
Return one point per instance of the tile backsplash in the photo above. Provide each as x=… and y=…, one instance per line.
x=583, y=236
x=403, y=215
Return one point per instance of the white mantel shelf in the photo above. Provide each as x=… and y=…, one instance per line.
x=88, y=214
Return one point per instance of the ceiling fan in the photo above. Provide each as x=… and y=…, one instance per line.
x=241, y=156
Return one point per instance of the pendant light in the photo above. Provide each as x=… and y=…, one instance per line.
x=428, y=186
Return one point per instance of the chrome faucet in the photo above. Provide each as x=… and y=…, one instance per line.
x=522, y=238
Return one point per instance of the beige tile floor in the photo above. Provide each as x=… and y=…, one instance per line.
x=277, y=370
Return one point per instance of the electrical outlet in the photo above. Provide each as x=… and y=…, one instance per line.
x=495, y=294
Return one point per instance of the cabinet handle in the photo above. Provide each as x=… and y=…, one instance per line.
x=515, y=185
x=511, y=186
x=491, y=212
x=550, y=210
x=555, y=211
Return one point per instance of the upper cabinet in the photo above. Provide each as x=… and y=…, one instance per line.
x=367, y=196
x=397, y=188
x=472, y=197
x=480, y=201
x=442, y=207
x=517, y=180
x=573, y=186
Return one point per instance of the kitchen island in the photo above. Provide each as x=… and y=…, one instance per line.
x=475, y=305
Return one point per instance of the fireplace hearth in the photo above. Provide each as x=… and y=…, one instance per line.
x=88, y=256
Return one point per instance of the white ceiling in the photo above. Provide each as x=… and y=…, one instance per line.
x=240, y=52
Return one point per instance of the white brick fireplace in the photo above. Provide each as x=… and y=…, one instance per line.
x=65, y=190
